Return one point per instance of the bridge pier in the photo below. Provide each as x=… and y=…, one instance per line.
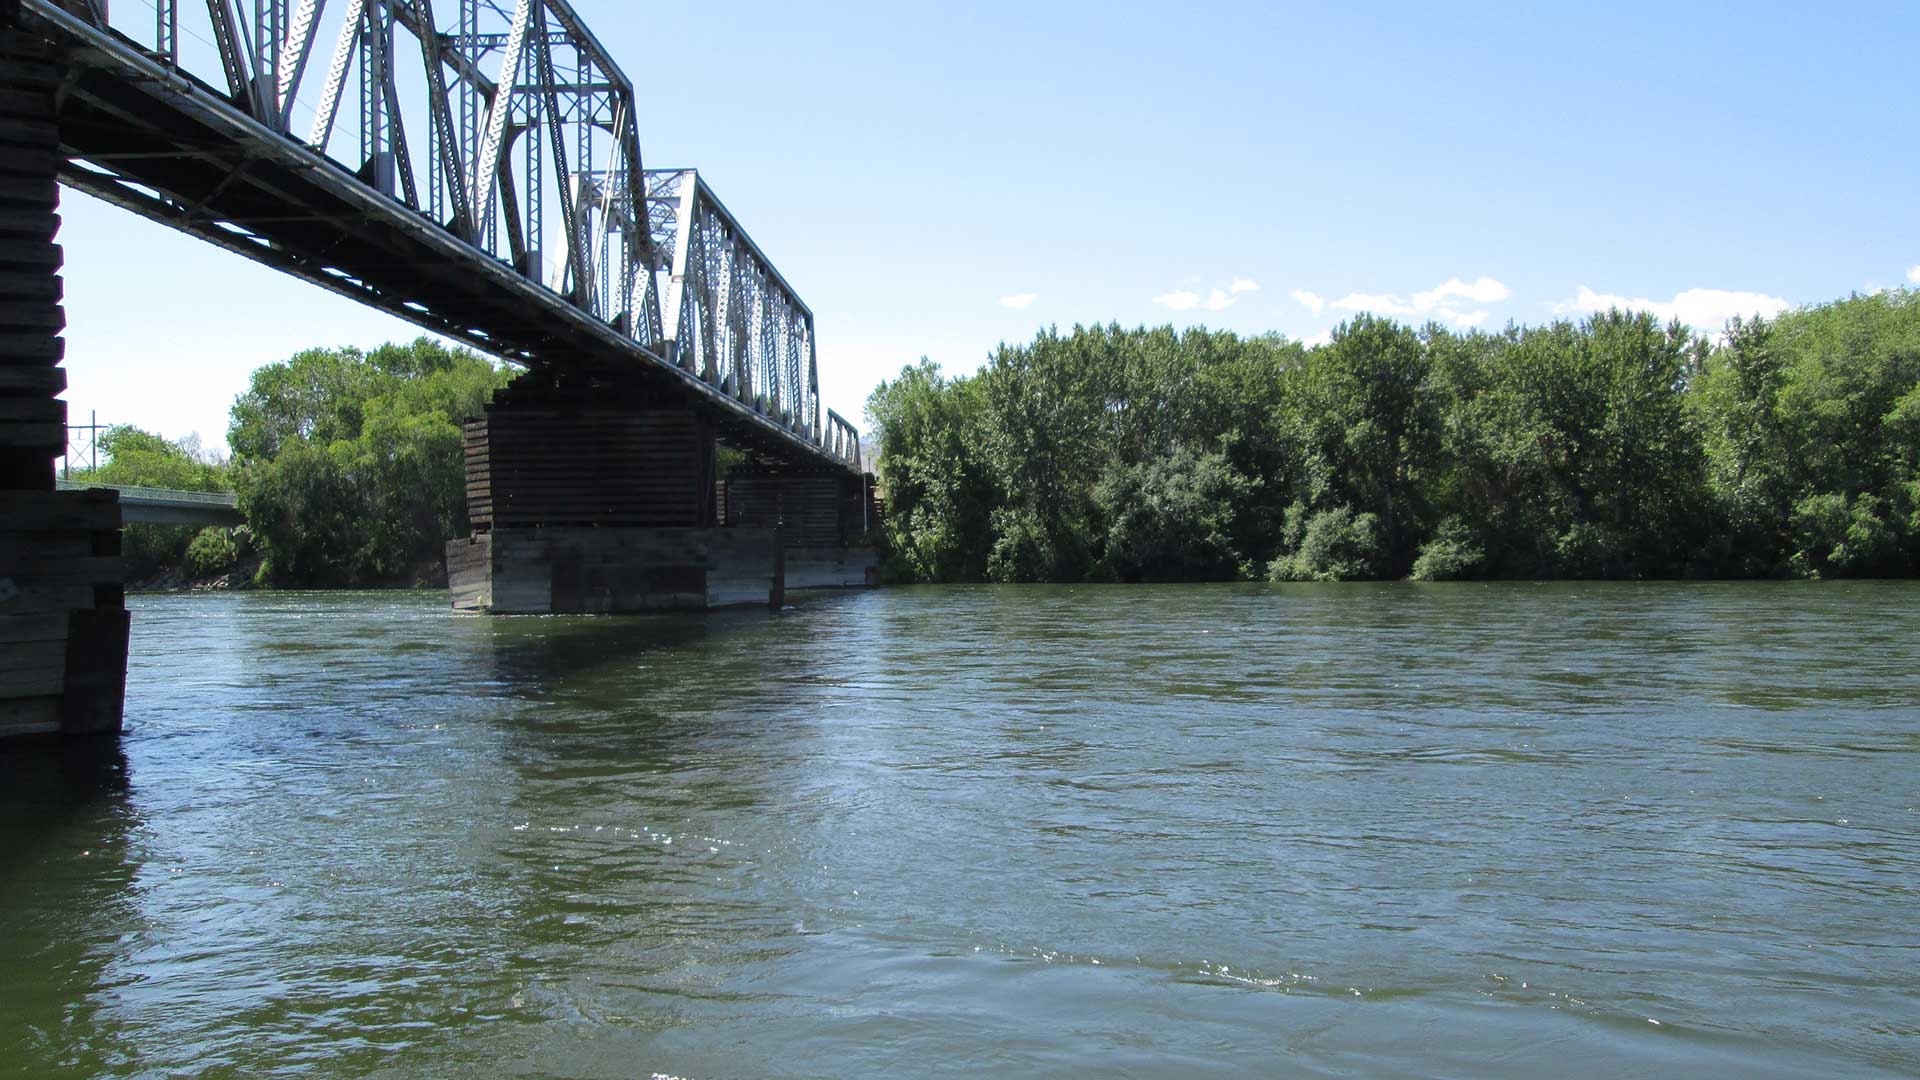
x=63, y=618
x=586, y=496
x=822, y=513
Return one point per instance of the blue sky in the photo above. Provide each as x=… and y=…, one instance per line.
x=937, y=179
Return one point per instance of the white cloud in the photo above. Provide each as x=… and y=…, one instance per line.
x=1378, y=303
x=1019, y=300
x=1913, y=274
x=1431, y=303
x=1324, y=337
x=1702, y=309
x=1311, y=301
x=1485, y=290
x=1216, y=299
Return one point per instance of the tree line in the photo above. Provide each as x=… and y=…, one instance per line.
x=348, y=466
x=1614, y=447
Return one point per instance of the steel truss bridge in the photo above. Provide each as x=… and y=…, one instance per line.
x=473, y=169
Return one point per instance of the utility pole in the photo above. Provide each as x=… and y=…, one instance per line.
x=92, y=427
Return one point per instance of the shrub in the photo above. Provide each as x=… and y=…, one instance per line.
x=1170, y=519
x=1337, y=545
x=1452, y=553
x=1835, y=538
x=1587, y=550
x=214, y=550
x=1022, y=550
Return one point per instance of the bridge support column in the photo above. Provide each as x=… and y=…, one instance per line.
x=823, y=517
x=63, y=618
x=590, y=497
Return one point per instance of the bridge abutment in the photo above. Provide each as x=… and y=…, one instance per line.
x=63, y=618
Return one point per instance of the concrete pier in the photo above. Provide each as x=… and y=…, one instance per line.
x=572, y=570
x=831, y=567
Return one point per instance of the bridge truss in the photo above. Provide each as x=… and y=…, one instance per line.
x=475, y=170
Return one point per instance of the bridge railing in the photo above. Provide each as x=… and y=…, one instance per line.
x=842, y=439
x=131, y=492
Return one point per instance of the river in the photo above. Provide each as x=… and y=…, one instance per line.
x=1346, y=830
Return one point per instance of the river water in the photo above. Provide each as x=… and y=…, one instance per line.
x=1354, y=830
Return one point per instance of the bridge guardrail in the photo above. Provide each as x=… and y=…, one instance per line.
x=842, y=439
x=132, y=492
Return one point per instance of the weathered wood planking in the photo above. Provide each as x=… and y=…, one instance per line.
x=808, y=503
x=63, y=623
x=546, y=456
x=33, y=431
x=63, y=619
x=30, y=716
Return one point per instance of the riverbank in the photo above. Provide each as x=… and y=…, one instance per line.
x=245, y=576
x=176, y=579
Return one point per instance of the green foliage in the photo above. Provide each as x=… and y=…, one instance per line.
x=1023, y=547
x=935, y=480
x=1837, y=537
x=216, y=550
x=1451, y=554
x=1047, y=428
x=1813, y=434
x=1335, y=545
x=1363, y=421
x=1571, y=445
x=1171, y=519
x=350, y=463
x=1070, y=458
x=143, y=459
x=1613, y=447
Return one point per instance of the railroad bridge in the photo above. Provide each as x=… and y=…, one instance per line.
x=475, y=170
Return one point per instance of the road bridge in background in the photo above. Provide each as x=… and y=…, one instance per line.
x=166, y=506
x=475, y=171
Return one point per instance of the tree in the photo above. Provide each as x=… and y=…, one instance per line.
x=351, y=471
x=1813, y=431
x=1051, y=412
x=939, y=497
x=1363, y=423
x=1571, y=450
